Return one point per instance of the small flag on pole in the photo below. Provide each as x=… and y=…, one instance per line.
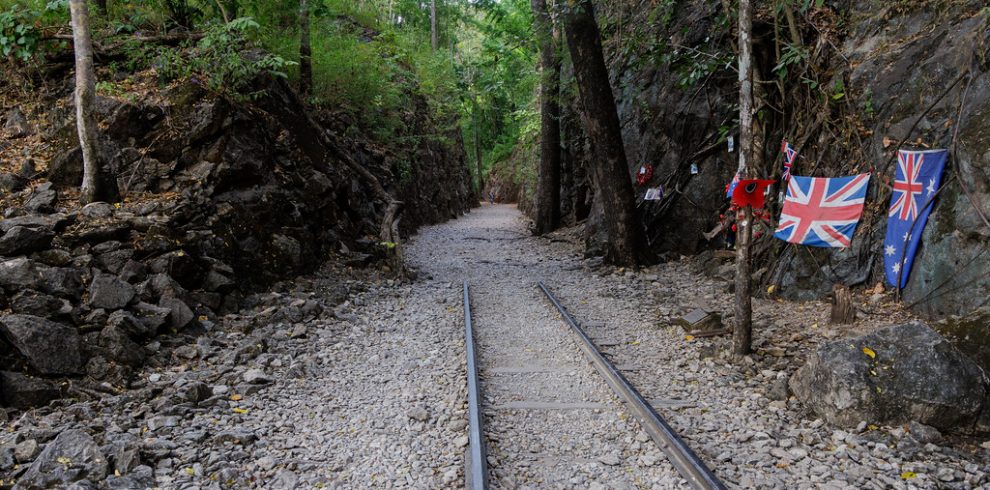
x=822, y=212
x=916, y=180
x=790, y=154
x=731, y=187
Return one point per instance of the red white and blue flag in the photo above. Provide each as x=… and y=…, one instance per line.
x=822, y=212
x=729, y=189
x=790, y=154
x=917, y=179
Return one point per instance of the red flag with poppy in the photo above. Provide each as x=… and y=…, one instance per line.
x=750, y=192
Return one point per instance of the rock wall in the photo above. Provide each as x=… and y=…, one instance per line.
x=221, y=198
x=882, y=65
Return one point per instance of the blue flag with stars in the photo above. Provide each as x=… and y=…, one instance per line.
x=917, y=179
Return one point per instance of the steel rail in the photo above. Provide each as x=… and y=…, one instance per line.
x=680, y=455
x=477, y=478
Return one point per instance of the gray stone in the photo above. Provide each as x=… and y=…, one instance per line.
x=97, y=210
x=419, y=414
x=21, y=240
x=151, y=316
x=10, y=183
x=22, y=392
x=85, y=461
x=924, y=434
x=19, y=273
x=42, y=198
x=179, y=313
x=109, y=292
x=17, y=126
x=915, y=375
x=256, y=377
x=26, y=450
x=30, y=302
x=49, y=347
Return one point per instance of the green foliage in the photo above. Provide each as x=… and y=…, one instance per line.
x=790, y=56
x=220, y=60
x=20, y=27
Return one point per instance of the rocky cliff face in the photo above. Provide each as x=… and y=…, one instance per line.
x=222, y=197
x=868, y=73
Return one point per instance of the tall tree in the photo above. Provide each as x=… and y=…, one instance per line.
x=434, y=35
x=305, y=51
x=548, y=183
x=626, y=239
x=743, y=332
x=94, y=185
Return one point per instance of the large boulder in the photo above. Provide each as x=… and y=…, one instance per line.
x=109, y=292
x=23, y=392
x=894, y=375
x=51, y=348
x=21, y=240
x=71, y=457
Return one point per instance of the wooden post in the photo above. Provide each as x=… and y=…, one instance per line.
x=843, y=310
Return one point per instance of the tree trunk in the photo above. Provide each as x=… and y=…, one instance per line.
x=742, y=336
x=548, y=184
x=477, y=145
x=626, y=239
x=434, y=35
x=305, y=52
x=94, y=185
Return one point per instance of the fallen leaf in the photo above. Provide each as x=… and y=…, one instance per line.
x=689, y=337
x=241, y=410
x=869, y=352
x=190, y=471
x=635, y=342
x=771, y=288
x=872, y=427
x=814, y=325
x=203, y=318
x=236, y=398
x=887, y=141
x=908, y=475
x=64, y=460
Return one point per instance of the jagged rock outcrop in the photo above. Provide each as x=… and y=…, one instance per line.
x=221, y=198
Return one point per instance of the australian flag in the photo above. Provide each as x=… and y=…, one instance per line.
x=790, y=154
x=822, y=212
x=729, y=189
x=917, y=179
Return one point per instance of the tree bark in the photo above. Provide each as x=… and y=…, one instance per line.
x=742, y=336
x=434, y=35
x=305, y=52
x=626, y=239
x=548, y=183
x=94, y=186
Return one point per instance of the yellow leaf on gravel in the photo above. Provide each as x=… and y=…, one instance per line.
x=635, y=342
x=64, y=460
x=236, y=398
x=869, y=352
x=872, y=427
x=190, y=471
x=241, y=410
x=908, y=475
x=771, y=288
x=689, y=337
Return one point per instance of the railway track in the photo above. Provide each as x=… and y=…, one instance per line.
x=477, y=475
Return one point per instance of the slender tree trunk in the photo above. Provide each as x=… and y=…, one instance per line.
x=434, y=35
x=305, y=52
x=84, y=94
x=743, y=332
x=627, y=241
x=548, y=183
x=477, y=145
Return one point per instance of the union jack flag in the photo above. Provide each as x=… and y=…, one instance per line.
x=822, y=212
x=731, y=187
x=790, y=154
